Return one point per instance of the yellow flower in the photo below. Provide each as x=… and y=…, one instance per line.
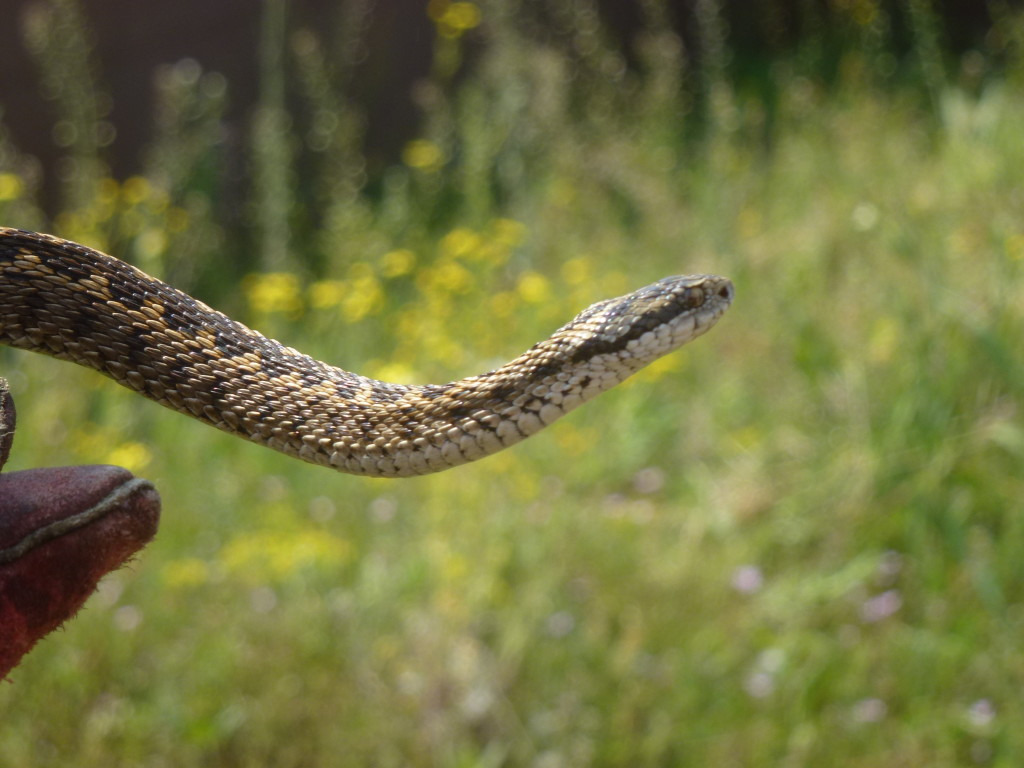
x=76, y=226
x=747, y=438
x=459, y=242
x=365, y=298
x=397, y=263
x=325, y=294
x=274, y=292
x=11, y=186
x=454, y=567
x=135, y=189
x=533, y=287
x=443, y=279
x=462, y=15
x=395, y=373
x=453, y=19
x=423, y=155
x=134, y=457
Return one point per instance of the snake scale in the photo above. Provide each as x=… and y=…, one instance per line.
x=74, y=303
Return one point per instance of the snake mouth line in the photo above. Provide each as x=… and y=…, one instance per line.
x=109, y=503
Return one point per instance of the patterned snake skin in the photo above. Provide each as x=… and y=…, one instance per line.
x=74, y=303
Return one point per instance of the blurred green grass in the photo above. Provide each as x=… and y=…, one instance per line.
x=796, y=542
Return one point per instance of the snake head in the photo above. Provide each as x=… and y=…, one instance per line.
x=650, y=322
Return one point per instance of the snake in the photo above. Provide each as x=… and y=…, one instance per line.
x=74, y=303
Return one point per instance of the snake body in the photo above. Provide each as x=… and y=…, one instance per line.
x=63, y=299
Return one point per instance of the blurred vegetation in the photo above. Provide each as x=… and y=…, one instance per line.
x=797, y=542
